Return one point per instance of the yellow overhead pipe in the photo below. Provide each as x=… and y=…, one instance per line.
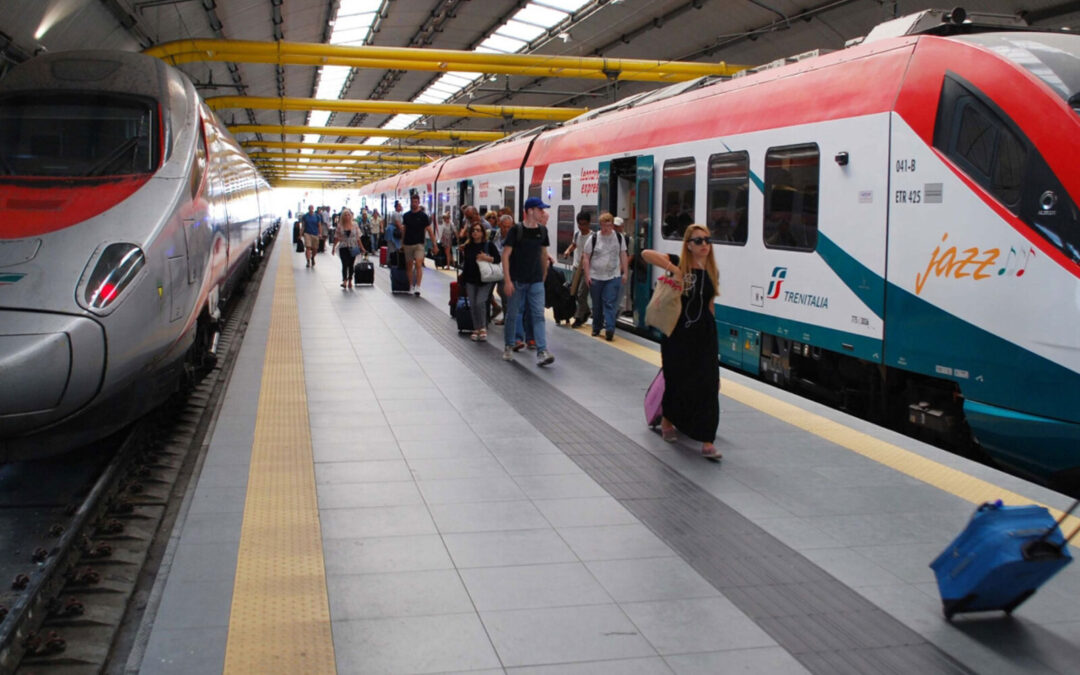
x=384, y=149
x=442, y=60
x=394, y=107
x=367, y=131
x=343, y=159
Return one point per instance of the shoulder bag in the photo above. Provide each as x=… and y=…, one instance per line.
x=665, y=306
x=490, y=271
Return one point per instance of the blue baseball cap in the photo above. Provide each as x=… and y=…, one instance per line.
x=535, y=203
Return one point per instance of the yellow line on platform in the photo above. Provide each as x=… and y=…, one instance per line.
x=948, y=479
x=280, y=618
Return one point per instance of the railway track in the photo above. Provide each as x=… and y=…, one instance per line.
x=81, y=535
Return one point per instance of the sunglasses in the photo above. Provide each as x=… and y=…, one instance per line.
x=698, y=240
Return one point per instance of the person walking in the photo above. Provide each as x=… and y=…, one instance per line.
x=417, y=226
x=347, y=244
x=579, y=286
x=445, y=233
x=477, y=290
x=525, y=264
x=377, y=229
x=688, y=355
x=604, y=265
x=312, y=227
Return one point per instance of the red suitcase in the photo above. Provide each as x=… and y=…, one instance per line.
x=382, y=256
x=453, y=297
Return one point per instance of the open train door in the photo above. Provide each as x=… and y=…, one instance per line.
x=641, y=284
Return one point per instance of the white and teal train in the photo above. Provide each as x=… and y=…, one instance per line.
x=895, y=223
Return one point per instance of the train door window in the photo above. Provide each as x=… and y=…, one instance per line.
x=534, y=191
x=566, y=187
x=594, y=216
x=729, y=189
x=564, y=233
x=791, y=197
x=980, y=140
x=510, y=198
x=678, y=193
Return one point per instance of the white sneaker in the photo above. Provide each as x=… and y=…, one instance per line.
x=544, y=358
x=508, y=353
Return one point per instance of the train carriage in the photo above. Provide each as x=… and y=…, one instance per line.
x=128, y=215
x=893, y=222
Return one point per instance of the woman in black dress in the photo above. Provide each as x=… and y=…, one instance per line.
x=691, y=374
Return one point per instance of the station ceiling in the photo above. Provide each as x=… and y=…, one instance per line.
x=740, y=32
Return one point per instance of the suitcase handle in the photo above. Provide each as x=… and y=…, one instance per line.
x=1057, y=526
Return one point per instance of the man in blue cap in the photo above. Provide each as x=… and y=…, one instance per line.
x=525, y=264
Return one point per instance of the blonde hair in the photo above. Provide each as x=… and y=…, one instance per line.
x=607, y=217
x=686, y=259
x=346, y=215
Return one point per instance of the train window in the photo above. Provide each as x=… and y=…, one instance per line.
x=566, y=188
x=78, y=135
x=509, y=198
x=678, y=192
x=729, y=189
x=979, y=139
x=791, y=197
x=564, y=233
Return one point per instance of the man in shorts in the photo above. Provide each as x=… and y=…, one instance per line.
x=417, y=225
x=312, y=227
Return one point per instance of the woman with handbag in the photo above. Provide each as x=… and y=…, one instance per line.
x=688, y=354
x=480, y=269
x=348, y=246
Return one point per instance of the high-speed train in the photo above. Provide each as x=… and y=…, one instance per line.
x=127, y=214
x=895, y=223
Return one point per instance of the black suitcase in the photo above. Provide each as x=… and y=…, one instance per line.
x=440, y=259
x=563, y=305
x=322, y=245
x=300, y=246
x=399, y=280
x=463, y=315
x=364, y=272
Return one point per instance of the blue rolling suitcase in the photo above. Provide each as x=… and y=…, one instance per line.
x=399, y=280
x=463, y=315
x=1001, y=558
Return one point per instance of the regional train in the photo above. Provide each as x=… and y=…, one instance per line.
x=895, y=223
x=127, y=215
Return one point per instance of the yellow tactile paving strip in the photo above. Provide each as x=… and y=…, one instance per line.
x=280, y=618
x=953, y=481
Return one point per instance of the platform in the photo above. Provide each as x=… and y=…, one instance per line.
x=381, y=495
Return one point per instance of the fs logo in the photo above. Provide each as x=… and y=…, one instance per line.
x=778, y=276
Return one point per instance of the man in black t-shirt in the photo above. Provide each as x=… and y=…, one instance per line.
x=416, y=224
x=525, y=264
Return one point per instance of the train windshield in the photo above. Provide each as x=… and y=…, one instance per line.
x=75, y=135
x=1054, y=58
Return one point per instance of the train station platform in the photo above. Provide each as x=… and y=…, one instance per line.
x=382, y=495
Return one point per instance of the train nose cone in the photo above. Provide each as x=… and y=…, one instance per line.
x=51, y=365
x=34, y=372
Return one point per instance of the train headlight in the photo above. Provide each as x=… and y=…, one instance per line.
x=116, y=267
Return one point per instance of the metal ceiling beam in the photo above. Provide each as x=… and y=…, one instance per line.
x=385, y=149
x=394, y=107
x=365, y=132
x=340, y=158
x=404, y=58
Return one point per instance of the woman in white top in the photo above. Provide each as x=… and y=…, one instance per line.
x=605, y=265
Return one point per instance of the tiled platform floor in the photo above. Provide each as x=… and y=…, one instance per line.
x=459, y=537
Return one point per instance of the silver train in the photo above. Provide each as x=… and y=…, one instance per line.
x=127, y=215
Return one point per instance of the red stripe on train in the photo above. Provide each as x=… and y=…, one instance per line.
x=34, y=206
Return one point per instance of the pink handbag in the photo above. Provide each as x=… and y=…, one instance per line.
x=654, y=399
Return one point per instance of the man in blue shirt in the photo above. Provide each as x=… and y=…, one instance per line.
x=312, y=228
x=525, y=264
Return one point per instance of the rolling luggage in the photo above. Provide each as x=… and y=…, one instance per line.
x=300, y=246
x=364, y=272
x=463, y=315
x=455, y=293
x=382, y=256
x=440, y=259
x=399, y=280
x=1001, y=558
x=322, y=245
x=563, y=305
x=654, y=399
x=395, y=259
